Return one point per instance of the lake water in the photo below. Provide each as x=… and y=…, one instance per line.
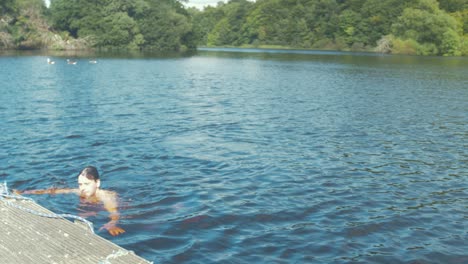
x=229, y=156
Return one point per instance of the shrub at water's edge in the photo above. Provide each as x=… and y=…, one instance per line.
x=24, y=26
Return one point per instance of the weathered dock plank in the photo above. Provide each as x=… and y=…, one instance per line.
x=29, y=238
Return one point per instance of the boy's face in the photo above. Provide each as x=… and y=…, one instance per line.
x=87, y=187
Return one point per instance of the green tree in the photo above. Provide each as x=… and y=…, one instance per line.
x=378, y=16
x=7, y=7
x=453, y=5
x=133, y=24
x=352, y=27
x=427, y=24
x=229, y=30
x=204, y=22
x=118, y=30
x=165, y=29
x=451, y=44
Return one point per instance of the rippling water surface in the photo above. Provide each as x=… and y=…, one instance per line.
x=252, y=157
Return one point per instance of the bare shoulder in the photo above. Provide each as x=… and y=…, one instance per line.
x=106, y=194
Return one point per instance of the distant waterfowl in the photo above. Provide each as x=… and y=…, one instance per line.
x=49, y=61
x=93, y=61
x=73, y=62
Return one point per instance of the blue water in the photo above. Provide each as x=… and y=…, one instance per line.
x=251, y=157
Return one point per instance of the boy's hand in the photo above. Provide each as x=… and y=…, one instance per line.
x=112, y=228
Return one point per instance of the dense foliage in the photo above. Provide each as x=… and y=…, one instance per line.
x=121, y=24
x=426, y=27
x=134, y=24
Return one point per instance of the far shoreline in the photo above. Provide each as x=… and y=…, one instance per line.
x=128, y=53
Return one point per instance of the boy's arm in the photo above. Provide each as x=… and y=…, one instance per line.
x=47, y=191
x=109, y=200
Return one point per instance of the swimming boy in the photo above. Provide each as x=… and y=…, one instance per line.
x=89, y=191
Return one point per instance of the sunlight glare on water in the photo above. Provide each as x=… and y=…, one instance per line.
x=241, y=157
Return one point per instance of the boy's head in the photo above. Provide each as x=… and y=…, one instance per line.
x=90, y=172
x=88, y=181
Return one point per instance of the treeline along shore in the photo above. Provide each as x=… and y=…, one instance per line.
x=419, y=27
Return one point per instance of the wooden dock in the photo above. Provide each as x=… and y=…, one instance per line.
x=30, y=238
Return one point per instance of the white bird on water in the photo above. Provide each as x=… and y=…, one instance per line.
x=73, y=62
x=49, y=61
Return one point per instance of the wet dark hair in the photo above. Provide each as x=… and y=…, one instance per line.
x=90, y=172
